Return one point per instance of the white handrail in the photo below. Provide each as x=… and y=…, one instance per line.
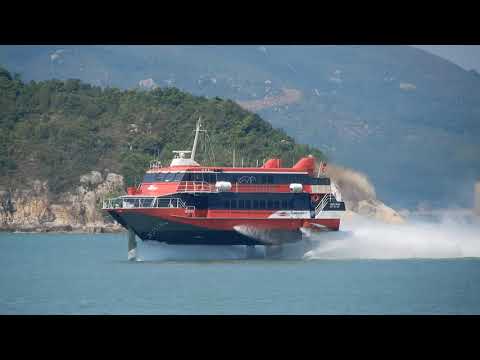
x=326, y=199
x=143, y=202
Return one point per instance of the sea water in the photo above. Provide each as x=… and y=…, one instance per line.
x=366, y=271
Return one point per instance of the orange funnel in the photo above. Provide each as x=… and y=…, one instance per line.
x=272, y=164
x=305, y=164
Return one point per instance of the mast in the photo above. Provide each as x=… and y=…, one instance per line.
x=194, y=148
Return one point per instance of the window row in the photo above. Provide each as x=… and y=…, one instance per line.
x=258, y=204
x=236, y=178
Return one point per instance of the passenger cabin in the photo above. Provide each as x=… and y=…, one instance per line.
x=270, y=177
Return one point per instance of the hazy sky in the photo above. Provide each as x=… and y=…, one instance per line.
x=467, y=56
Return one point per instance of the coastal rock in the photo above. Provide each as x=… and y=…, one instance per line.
x=113, y=182
x=377, y=210
x=79, y=210
x=360, y=196
x=94, y=178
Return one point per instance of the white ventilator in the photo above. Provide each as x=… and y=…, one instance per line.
x=223, y=186
x=296, y=188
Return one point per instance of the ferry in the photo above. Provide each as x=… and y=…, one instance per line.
x=190, y=204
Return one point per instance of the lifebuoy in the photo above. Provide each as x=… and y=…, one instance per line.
x=315, y=198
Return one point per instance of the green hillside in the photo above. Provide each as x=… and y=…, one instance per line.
x=57, y=130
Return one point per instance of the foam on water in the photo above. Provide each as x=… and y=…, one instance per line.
x=451, y=237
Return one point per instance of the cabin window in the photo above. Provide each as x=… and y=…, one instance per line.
x=178, y=177
x=255, y=204
x=270, y=204
x=160, y=177
x=270, y=179
x=233, y=204
x=248, y=204
x=276, y=204
x=320, y=181
x=298, y=203
x=284, y=204
x=264, y=179
x=261, y=204
x=241, y=204
x=227, y=204
x=212, y=178
x=198, y=177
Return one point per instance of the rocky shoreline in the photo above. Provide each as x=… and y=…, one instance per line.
x=102, y=229
x=79, y=211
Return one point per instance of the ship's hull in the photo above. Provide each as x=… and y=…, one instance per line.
x=173, y=227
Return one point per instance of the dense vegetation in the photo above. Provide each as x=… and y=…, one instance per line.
x=57, y=130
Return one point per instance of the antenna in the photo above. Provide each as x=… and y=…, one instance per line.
x=197, y=130
x=233, y=155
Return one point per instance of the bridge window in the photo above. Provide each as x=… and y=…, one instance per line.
x=169, y=177
x=149, y=178
x=198, y=177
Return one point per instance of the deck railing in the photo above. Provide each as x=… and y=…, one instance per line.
x=196, y=186
x=126, y=202
x=321, y=205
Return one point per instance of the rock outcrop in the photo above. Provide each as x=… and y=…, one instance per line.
x=360, y=197
x=77, y=210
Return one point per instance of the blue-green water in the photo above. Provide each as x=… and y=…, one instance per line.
x=88, y=274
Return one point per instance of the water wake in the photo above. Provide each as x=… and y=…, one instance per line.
x=450, y=237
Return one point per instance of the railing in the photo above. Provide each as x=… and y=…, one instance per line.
x=326, y=199
x=254, y=187
x=125, y=202
x=196, y=186
x=205, y=187
x=155, y=164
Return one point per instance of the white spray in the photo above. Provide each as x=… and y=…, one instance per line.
x=361, y=238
